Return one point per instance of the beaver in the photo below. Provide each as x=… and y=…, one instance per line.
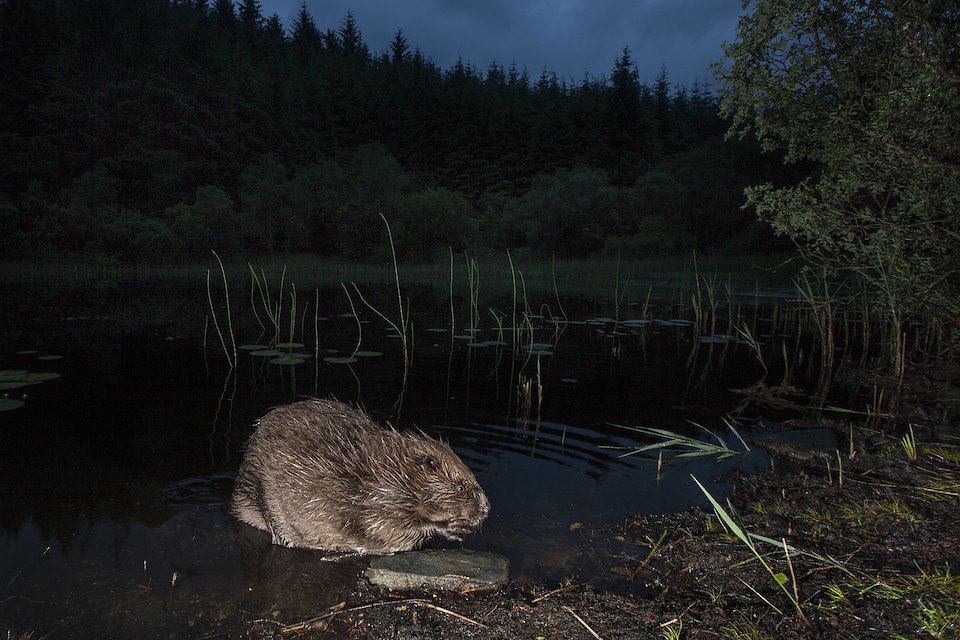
x=319, y=474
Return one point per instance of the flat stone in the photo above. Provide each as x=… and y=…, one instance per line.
x=451, y=569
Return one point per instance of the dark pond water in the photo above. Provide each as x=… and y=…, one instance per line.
x=116, y=471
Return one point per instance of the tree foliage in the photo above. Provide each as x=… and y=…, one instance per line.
x=208, y=123
x=869, y=94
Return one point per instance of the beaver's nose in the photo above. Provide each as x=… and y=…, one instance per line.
x=483, y=505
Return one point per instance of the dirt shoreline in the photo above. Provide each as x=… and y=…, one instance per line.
x=871, y=530
x=873, y=549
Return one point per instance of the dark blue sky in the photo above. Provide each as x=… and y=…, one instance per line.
x=567, y=36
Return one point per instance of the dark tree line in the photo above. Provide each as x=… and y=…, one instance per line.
x=145, y=128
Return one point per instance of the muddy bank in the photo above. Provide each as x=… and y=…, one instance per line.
x=872, y=547
x=850, y=534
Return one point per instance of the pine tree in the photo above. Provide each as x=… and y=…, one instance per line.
x=304, y=33
x=250, y=15
x=351, y=42
x=627, y=127
x=224, y=14
x=399, y=50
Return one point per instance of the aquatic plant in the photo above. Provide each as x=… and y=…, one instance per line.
x=747, y=539
x=231, y=357
x=682, y=446
x=909, y=443
x=401, y=324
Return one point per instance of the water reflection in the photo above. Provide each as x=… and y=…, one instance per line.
x=115, y=474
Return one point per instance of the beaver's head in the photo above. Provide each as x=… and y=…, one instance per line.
x=436, y=490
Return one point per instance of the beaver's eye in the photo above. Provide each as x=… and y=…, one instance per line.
x=461, y=487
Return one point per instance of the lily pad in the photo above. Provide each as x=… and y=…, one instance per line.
x=6, y=404
x=336, y=360
x=367, y=354
x=11, y=373
x=289, y=345
x=253, y=347
x=50, y=357
x=264, y=353
x=287, y=361
x=26, y=352
x=487, y=343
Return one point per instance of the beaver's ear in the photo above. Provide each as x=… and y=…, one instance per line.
x=429, y=463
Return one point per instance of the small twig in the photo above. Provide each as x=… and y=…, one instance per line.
x=583, y=622
x=489, y=613
x=456, y=615
x=306, y=624
x=554, y=592
x=646, y=561
x=793, y=578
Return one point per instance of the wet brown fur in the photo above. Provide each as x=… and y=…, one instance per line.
x=319, y=474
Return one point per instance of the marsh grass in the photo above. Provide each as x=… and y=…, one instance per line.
x=231, y=353
x=909, y=443
x=271, y=309
x=473, y=284
x=672, y=629
x=863, y=515
x=744, y=286
x=820, y=298
x=677, y=445
x=744, y=629
x=747, y=336
x=748, y=540
x=936, y=593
